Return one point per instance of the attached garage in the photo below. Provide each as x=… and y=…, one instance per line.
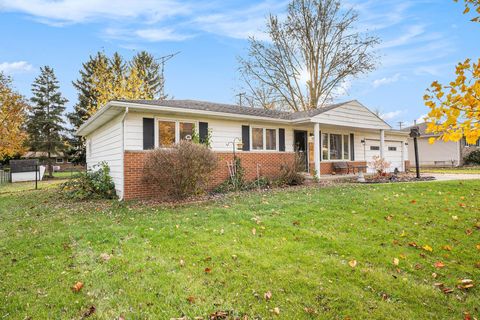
x=394, y=153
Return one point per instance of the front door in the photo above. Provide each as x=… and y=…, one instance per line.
x=300, y=141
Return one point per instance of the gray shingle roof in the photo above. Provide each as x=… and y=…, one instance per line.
x=235, y=109
x=422, y=128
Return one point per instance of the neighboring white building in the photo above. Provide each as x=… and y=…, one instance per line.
x=440, y=153
x=122, y=132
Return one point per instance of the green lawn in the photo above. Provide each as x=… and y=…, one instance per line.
x=463, y=170
x=157, y=262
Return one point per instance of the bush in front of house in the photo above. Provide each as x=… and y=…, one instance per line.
x=93, y=184
x=181, y=171
x=291, y=173
x=473, y=157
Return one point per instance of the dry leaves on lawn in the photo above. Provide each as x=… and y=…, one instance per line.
x=77, y=286
x=352, y=263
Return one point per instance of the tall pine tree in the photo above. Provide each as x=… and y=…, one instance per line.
x=150, y=72
x=45, y=125
x=86, y=106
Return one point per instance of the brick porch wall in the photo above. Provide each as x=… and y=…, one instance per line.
x=327, y=167
x=268, y=165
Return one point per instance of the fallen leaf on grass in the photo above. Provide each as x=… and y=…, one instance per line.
x=218, y=315
x=77, y=286
x=427, y=248
x=208, y=270
x=462, y=205
x=478, y=246
x=468, y=232
x=89, y=312
x=455, y=218
x=191, y=299
x=447, y=248
x=439, y=264
x=413, y=244
x=447, y=290
x=352, y=263
x=388, y=218
x=310, y=310
x=105, y=257
x=276, y=311
x=413, y=201
x=182, y=263
x=396, y=261
x=267, y=295
x=254, y=231
x=465, y=284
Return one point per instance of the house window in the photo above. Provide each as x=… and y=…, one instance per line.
x=166, y=134
x=69, y=160
x=335, y=146
x=264, y=139
x=271, y=139
x=59, y=160
x=392, y=148
x=257, y=138
x=374, y=148
x=186, y=130
x=325, y=146
x=346, y=145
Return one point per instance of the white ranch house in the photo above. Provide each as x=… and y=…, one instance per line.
x=122, y=132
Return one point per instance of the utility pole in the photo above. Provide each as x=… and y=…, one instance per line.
x=400, y=124
x=162, y=61
x=240, y=97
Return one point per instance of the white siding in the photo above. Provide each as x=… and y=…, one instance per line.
x=438, y=154
x=105, y=144
x=349, y=114
x=223, y=131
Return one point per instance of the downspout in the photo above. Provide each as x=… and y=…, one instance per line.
x=123, y=152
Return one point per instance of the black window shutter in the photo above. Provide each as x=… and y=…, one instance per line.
x=352, y=147
x=203, y=131
x=281, y=138
x=148, y=134
x=246, y=138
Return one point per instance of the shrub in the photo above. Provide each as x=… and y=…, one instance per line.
x=473, y=157
x=291, y=173
x=93, y=184
x=380, y=165
x=181, y=171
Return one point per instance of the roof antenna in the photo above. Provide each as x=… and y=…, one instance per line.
x=162, y=61
x=240, y=97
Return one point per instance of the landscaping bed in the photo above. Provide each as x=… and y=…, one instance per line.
x=392, y=178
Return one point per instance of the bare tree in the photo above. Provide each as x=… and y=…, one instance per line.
x=310, y=53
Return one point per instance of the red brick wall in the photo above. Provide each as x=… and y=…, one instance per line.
x=268, y=165
x=327, y=167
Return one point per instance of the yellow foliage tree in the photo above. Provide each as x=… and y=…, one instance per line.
x=111, y=86
x=455, y=109
x=12, y=118
x=472, y=4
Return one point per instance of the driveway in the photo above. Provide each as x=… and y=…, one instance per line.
x=453, y=176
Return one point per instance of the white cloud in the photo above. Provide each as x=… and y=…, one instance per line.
x=15, y=67
x=77, y=11
x=386, y=80
x=391, y=115
x=149, y=34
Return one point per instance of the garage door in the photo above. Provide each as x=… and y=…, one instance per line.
x=393, y=154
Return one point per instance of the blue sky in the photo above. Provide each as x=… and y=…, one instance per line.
x=421, y=42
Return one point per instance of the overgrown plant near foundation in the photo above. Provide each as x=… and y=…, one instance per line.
x=181, y=171
x=291, y=172
x=380, y=165
x=93, y=184
x=473, y=157
x=236, y=179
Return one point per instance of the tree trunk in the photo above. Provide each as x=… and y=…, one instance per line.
x=49, y=165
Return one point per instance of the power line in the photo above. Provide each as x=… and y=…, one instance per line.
x=240, y=97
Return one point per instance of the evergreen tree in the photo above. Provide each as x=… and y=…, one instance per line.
x=150, y=72
x=45, y=123
x=86, y=106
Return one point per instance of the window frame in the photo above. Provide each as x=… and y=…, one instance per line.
x=59, y=162
x=343, y=135
x=264, y=133
x=177, y=129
